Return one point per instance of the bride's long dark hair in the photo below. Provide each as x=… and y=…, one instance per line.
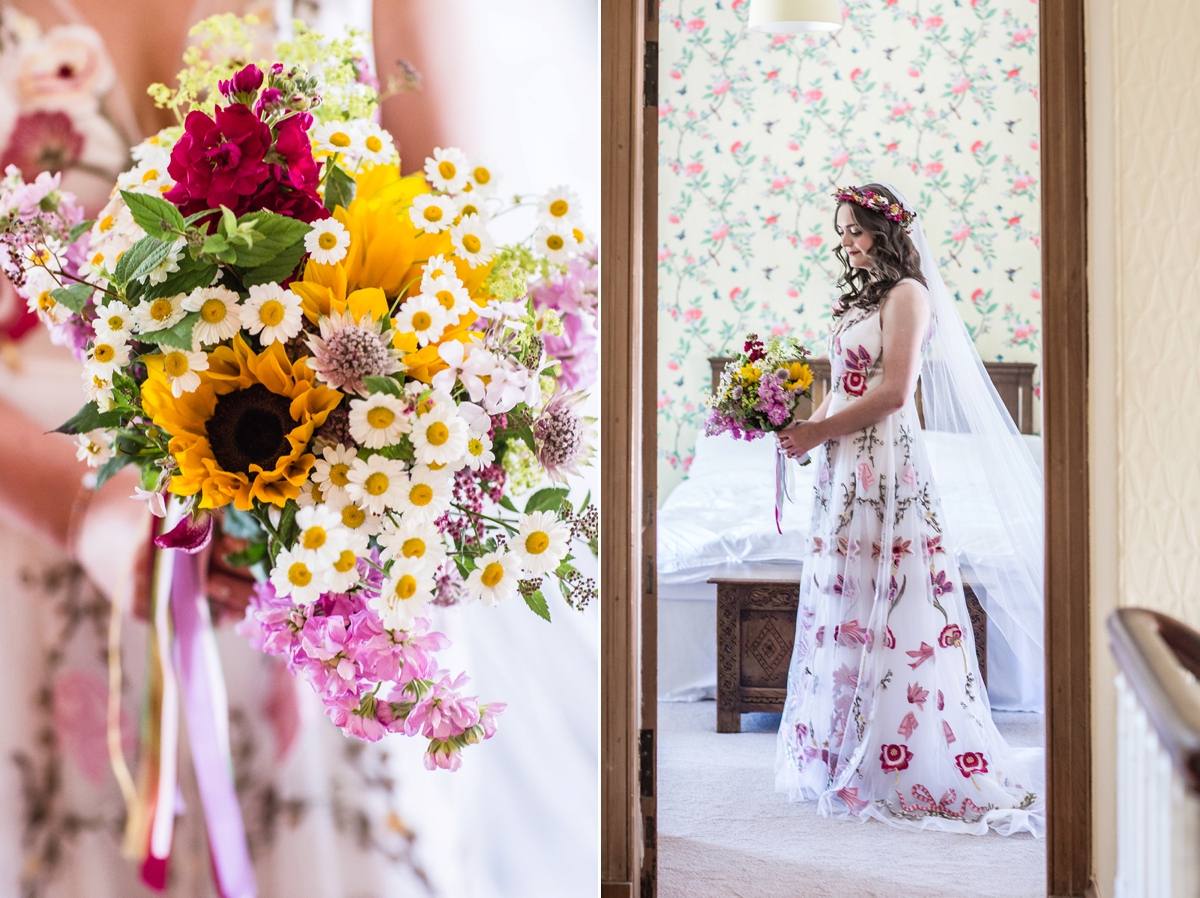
x=893, y=258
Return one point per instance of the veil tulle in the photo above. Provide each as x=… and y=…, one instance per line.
x=1005, y=567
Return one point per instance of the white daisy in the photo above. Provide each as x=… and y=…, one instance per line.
x=377, y=421
x=114, y=319
x=166, y=267
x=343, y=574
x=479, y=452
x=583, y=243
x=337, y=138
x=108, y=354
x=481, y=180
x=424, y=316
x=439, y=437
x=450, y=294
x=541, y=543
x=159, y=314
x=293, y=577
x=320, y=541
x=49, y=310
x=412, y=539
x=375, y=144
x=559, y=204
x=94, y=447
x=471, y=204
x=376, y=483
x=404, y=594
x=220, y=314
x=472, y=242
x=180, y=367
x=328, y=241
x=98, y=388
x=272, y=313
x=148, y=176
x=555, y=241
x=310, y=494
x=432, y=213
x=495, y=578
x=355, y=517
x=331, y=470
x=447, y=170
x=426, y=495
x=437, y=267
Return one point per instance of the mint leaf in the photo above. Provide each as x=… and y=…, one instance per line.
x=387, y=385
x=279, y=233
x=506, y=502
x=110, y=467
x=141, y=259
x=548, y=499
x=192, y=273
x=339, y=189
x=241, y=524
x=89, y=418
x=73, y=296
x=526, y=435
x=277, y=269
x=537, y=604
x=177, y=337
x=79, y=230
x=157, y=217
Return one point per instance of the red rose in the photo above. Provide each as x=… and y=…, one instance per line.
x=854, y=383
x=971, y=762
x=896, y=757
x=951, y=636
x=219, y=162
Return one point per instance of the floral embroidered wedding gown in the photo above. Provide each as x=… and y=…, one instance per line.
x=886, y=715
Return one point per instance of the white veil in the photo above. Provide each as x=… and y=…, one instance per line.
x=1007, y=568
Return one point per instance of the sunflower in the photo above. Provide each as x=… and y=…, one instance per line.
x=386, y=259
x=243, y=434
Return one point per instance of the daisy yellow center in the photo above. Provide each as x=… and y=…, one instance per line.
x=414, y=547
x=175, y=364
x=380, y=418
x=314, y=538
x=150, y=175
x=345, y=561
x=475, y=447
x=377, y=483
x=99, y=382
x=339, y=139
x=115, y=322
x=314, y=490
x=472, y=243
x=437, y=433
x=433, y=213
x=421, y=321
x=299, y=574
x=271, y=312
x=104, y=353
x=482, y=175
x=106, y=223
x=46, y=301
x=445, y=299
x=577, y=234
x=338, y=472
x=537, y=542
x=213, y=311
x=558, y=208
x=353, y=516
x=468, y=209
x=554, y=242
x=492, y=574
x=98, y=260
x=161, y=309
x=420, y=494
x=447, y=169
x=406, y=587
x=327, y=240
x=374, y=144
x=436, y=465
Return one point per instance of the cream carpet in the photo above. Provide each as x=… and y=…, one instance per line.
x=723, y=832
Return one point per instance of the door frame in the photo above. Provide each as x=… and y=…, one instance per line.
x=628, y=311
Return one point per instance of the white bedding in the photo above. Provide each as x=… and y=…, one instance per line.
x=724, y=513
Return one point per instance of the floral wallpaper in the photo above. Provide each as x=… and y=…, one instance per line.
x=755, y=130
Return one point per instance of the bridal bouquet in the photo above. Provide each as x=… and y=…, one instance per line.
x=760, y=388
x=331, y=362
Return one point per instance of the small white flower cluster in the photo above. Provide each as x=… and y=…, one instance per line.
x=560, y=231
x=354, y=142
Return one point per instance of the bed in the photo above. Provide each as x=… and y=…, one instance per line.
x=722, y=515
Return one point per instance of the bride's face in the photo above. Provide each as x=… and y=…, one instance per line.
x=856, y=242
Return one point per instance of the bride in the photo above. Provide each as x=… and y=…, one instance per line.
x=886, y=714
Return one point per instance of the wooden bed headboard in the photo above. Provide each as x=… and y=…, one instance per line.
x=1013, y=381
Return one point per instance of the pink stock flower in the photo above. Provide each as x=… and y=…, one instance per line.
x=219, y=161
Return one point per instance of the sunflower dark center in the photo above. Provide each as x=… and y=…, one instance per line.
x=250, y=427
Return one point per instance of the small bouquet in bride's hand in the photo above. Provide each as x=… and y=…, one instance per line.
x=760, y=389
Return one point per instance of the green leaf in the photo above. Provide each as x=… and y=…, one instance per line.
x=462, y=568
x=564, y=568
x=339, y=189
x=177, y=337
x=73, y=296
x=149, y=478
x=110, y=467
x=388, y=385
x=278, y=268
x=287, y=529
x=506, y=502
x=196, y=216
x=526, y=435
x=215, y=244
x=548, y=499
x=248, y=556
x=192, y=273
x=79, y=230
x=89, y=418
x=241, y=524
x=157, y=217
x=537, y=604
x=141, y=259
x=278, y=234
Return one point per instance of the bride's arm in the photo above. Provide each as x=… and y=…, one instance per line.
x=904, y=319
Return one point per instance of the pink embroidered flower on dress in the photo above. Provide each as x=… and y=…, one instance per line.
x=894, y=757
x=946, y=731
x=866, y=477
x=889, y=639
x=907, y=725
x=909, y=477
x=853, y=802
x=917, y=695
x=941, y=584
x=941, y=701
x=971, y=762
x=849, y=633
x=951, y=636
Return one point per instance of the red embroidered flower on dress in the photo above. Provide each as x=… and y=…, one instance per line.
x=971, y=762
x=894, y=757
x=951, y=636
x=857, y=362
x=854, y=383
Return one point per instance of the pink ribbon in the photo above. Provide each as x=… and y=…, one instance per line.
x=210, y=749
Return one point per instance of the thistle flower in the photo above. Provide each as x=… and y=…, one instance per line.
x=349, y=351
x=561, y=435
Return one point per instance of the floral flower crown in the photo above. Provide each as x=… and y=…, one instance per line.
x=876, y=202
